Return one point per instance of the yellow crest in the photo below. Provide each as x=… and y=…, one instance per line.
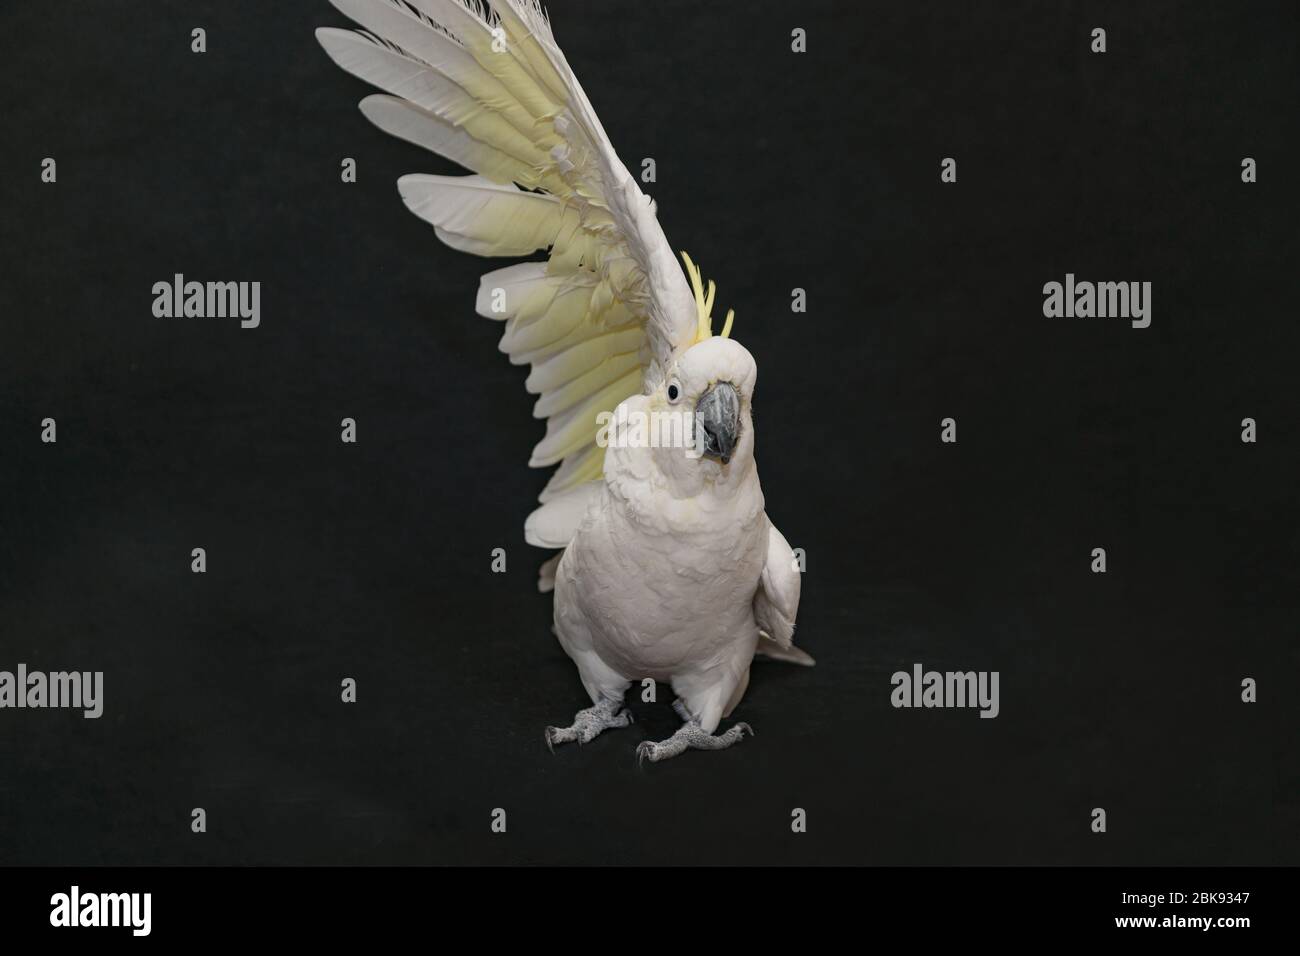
x=704, y=303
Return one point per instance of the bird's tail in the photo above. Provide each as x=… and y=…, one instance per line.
x=791, y=655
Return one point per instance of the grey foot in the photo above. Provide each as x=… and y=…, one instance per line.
x=690, y=736
x=590, y=722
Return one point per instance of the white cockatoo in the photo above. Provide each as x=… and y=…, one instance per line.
x=670, y=568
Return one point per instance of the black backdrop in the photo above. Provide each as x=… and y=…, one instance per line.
x=775, y=170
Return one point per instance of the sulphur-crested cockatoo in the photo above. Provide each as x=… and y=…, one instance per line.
x=670, y=568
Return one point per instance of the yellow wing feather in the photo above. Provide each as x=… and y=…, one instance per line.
x=485, y=85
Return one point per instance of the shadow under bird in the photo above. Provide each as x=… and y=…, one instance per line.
x=670, y=568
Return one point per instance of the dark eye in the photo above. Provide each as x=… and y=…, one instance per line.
x=672, y=393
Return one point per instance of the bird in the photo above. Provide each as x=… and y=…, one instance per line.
x=668, y=567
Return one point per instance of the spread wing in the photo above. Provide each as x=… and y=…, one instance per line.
x=485, y=85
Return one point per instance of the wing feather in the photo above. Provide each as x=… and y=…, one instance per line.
x=484, y=84
x=474, y=214
x=776, y=602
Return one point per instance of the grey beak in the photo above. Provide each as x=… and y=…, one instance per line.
x=717, y=415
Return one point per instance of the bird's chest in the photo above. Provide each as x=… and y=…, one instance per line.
x=660, y=595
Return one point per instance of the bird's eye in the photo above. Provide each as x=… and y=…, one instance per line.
x=673, y=392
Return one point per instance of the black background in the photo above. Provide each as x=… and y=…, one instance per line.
x=775, y=170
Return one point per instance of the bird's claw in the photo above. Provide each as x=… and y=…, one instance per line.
x=588, y=724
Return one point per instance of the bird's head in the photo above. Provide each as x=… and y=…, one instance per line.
x=712, y=380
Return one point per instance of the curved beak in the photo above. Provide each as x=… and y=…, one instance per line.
x=717, y=416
